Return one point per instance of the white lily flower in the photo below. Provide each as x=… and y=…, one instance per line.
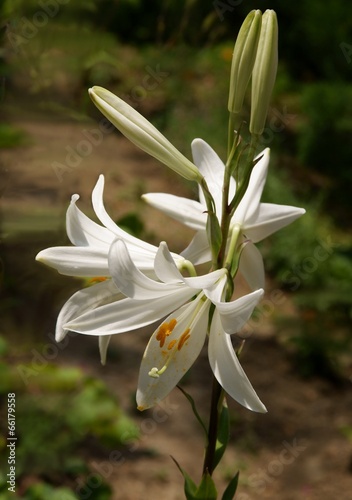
x=146, y=300
x=177, y=342
x=88, y=257
x=256, y=220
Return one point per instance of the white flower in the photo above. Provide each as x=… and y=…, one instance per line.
x=88, y=257
x=177, y=342
x=256, y=220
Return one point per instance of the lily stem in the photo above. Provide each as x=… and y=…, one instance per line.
x=215, y=409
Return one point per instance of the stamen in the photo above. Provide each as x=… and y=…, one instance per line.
x=165, y=330
x=97, y=279
x=154, y=373
x=171, y=344
x=184, y=337
x=172, y=347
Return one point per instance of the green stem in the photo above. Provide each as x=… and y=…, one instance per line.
x=215, y=409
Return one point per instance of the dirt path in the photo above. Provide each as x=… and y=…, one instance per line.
x=296, y=451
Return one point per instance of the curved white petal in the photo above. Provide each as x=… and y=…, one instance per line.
x=82, y=231
x=128, y=314
x=104, y=341
x=84, y=300
x=249, y=205
x=76, y=261
x=227, y=369
x=198, y=251
x=252, y=266
x=189, y=212
x=165, y=267
x=191, y=322
x=106, y=220
x=212, y=169
x=235, y=314
x=270, y=219
x=216, y=291
x=130, y=280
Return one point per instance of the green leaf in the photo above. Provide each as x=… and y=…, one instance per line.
x=230, y=491
x=214, y=233
x=190, y=486
x=223, y=433
x=207, y=489
x=194, y=409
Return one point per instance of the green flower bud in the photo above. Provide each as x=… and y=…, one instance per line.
x=142, y=133
x=264, y=72
x=243, y=59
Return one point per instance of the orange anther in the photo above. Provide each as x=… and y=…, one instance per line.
x=165, y=330
x=171, y=344
x=184, y=337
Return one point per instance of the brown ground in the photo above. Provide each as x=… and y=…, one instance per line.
x=296, y=451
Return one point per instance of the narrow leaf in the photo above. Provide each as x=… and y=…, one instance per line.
x=190, y=486
x=194, y=409
x=230, y=491
x=214, y=233
x=223, y=434
x=207, y=489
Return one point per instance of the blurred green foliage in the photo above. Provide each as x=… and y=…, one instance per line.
x=10, y=137
x=323, y=141
x=62, y=417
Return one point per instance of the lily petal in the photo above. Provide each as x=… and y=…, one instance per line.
x=270, y=219
x=249, y=205
x=198, y=251
x=106, y=220
x=189, y=212
x=128, y=314
x=167, y=271
x=165, y=267
x=181, y=349
x=234, y=315
x=83, y=301
x=104, y=341
x=212, y=169
x=227, y=369
x=130, y=280
x=82, y=231
x=76, y=261
x=252, y=266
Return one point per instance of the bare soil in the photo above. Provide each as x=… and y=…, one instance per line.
x=295, y=451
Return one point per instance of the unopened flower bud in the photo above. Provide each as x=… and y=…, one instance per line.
x=142, y=133
x=243, y=59
x=264, y=72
